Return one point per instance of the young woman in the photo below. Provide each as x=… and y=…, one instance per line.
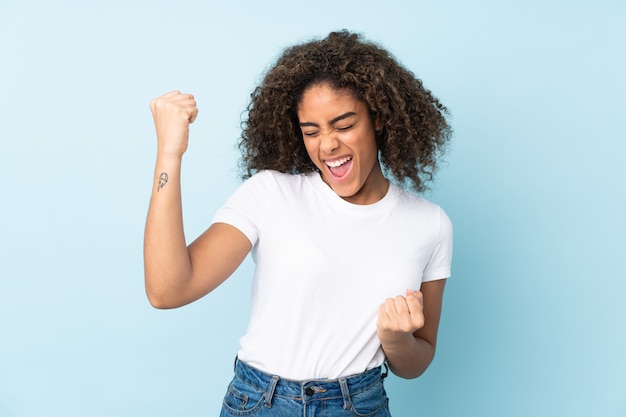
x=350, y=266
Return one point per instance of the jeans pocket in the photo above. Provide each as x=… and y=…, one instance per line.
x=371, y=402
x=242, y=399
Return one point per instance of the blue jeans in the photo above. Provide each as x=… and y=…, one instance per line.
x=255, y=393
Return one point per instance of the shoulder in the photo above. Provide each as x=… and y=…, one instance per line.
x=415, y=202
x=417, y=207
x=271, y=179
x=265, y=179
x=268, y=186
x=269, y=175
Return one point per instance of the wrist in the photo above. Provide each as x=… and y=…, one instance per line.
x=398, y=341
x=168, y=158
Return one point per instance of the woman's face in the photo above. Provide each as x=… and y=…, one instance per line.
x=340, y=139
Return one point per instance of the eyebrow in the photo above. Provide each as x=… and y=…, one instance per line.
x=332, y=122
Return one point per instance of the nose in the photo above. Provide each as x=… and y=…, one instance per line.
x=328, y=142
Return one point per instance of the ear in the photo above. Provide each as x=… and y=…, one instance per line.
x=377, y=125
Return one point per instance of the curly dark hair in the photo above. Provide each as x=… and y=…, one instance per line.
x=413, y=126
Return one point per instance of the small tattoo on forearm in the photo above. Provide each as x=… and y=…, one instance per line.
x=162, y=180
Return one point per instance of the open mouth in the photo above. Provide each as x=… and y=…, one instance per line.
x=339, y=167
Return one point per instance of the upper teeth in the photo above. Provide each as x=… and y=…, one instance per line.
x=338, y=162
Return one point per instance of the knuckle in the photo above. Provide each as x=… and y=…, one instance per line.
x=155, y=103
x=406, y=327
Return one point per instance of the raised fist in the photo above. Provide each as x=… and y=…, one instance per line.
x=172, y=113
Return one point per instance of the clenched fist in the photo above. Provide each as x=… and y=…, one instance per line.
x=172, y=113
x=400, y=317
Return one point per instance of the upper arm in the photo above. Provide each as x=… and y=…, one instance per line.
x=432, y=292
x=214, y=256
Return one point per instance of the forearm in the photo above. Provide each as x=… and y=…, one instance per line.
x=409, y=358
x=407, y=328
x=166, y=259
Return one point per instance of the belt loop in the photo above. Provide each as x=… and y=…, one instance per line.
x=386, y=370
x=345, y=392
x=270, y=391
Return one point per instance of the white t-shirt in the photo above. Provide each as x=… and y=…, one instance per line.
x=323, y=268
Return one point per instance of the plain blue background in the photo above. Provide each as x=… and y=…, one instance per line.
x=533, y=323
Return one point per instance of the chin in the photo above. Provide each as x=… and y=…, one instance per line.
x=345, y=192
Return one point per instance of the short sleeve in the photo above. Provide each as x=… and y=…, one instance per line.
x=246, y=207
x=440, y=262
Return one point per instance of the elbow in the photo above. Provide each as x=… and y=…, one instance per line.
x=408, y=374
x=172, y=291
x=159, y=303
x=162, y=291
x=413, y=366
x=161, y=299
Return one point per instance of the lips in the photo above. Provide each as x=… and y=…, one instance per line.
x=339, y=167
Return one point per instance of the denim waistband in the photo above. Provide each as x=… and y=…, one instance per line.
x=308, y=390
